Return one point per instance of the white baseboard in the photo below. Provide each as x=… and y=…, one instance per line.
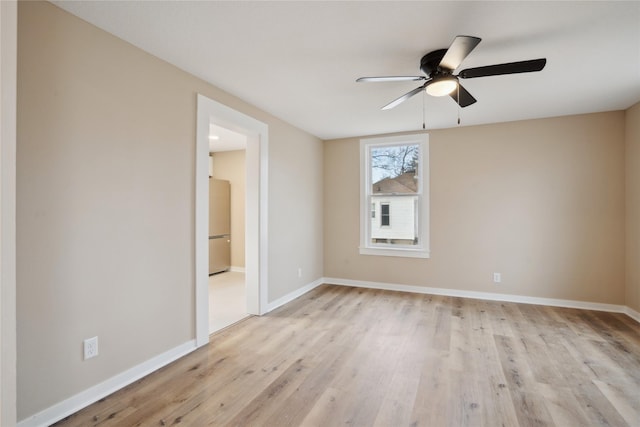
x=293, y=295
x=632, y=313
x=237, y=269
x=481, y=295
x=75, y=403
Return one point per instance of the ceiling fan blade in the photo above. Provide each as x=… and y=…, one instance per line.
x=459, y=49
x=391, y=79
x=466, y=98
x=403, y=98
x=509, y=68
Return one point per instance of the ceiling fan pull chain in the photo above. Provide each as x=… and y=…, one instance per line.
x=458, y=89
x=424, y=111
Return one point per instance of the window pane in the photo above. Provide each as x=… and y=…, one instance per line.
x=398, y=223
x=394, y=176
x=394, y=169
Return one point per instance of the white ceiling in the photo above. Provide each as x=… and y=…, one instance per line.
x=299, y=60
x=223, y=139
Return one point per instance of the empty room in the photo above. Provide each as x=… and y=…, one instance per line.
x=434, y=213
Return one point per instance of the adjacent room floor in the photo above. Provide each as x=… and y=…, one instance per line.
x=227, y=300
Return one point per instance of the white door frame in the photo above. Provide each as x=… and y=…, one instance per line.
x=8, y=65
x=257, y=132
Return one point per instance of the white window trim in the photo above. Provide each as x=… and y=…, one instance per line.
x=366, y=248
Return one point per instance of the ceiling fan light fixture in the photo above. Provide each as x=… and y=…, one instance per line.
x=442, y=86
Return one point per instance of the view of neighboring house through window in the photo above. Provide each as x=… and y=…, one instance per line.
x=394, y=192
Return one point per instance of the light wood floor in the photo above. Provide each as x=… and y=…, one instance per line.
x=347, y=356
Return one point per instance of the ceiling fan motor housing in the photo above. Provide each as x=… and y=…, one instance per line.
x=429, y=64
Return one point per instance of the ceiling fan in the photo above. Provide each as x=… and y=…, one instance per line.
x=439, y=66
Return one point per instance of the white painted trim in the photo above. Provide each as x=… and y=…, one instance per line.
x=479, y=295
x=398, y=252
x=256, y=206
x=237, y=269
x=91, y=395
x=8, y=64
x=295, y=294
x=632, y=313
x=202, y=220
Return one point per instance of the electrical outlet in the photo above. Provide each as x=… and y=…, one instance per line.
x=497, y=277
x=299, y=272
x=90, y=348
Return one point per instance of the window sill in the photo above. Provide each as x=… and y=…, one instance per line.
x=397, y=252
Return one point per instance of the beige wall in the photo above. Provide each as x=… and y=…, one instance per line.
x=540, y=201
x=632, y=156
x=295, y=197
x=230, y=166
x=105, y=204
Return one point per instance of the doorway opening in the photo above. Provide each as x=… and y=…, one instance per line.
x=227, y=189
x=256, y=202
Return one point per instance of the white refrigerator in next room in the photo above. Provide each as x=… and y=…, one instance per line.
x=219, y=226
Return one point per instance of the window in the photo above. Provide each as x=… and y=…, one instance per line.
x=394, y=196
x=384, y=214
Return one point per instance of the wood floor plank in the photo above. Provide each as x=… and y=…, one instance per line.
x=628, y=406
x=399, y=398
x=573, y=356
x=485, y=370
x=326, y=405
x=432, y=397
x=562, y=406
x=529, y=404
x=364, y=357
